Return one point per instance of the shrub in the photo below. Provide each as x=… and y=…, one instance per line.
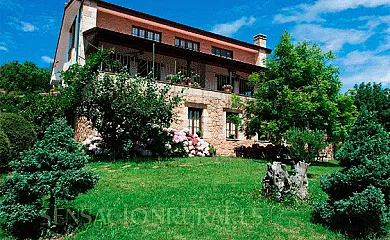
x=304, y=145
x=52, y=171
x=364, y=214
x=365, y=139
x=5, y=146
x=359, y=193
x=19, y=131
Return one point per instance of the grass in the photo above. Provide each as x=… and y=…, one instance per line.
x=199, y=198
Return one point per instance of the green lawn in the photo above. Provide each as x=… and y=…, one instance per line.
x=199, y=198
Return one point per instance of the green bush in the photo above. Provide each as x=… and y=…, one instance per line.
x=53, y=170
x=359, y=193
x=365, y=139
x=304, y=145
x=364, y=214
x=5, y=146
x=19, y=131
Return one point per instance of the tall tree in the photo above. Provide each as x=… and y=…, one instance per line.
x=299, y=88
x=26, y=77
x=374, y=98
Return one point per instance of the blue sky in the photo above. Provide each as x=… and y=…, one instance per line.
x=357, y=31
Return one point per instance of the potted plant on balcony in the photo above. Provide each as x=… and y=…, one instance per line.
x=170, y=78
x=227, y=88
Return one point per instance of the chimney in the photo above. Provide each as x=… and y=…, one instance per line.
x=260, y=40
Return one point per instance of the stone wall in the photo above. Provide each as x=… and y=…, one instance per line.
x=214, y=106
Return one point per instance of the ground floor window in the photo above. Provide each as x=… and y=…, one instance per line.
x=195, y=120
x=231, y=126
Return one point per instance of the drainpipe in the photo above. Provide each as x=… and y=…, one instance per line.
x=78, y=30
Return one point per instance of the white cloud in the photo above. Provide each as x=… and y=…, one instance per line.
x=3, y=48
x=228, y=29
x=28, y=27
x=21, y=25
x=47, y=59
x=330, y=38
x=367, y=66
x=312, y=12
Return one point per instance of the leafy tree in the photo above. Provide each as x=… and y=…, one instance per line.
x=26, y=77
x=122, y=108
x=374, y=98
x=43, y=110
x=19, y=131
x=299, y=88
x=53, y=170
x=359, y=193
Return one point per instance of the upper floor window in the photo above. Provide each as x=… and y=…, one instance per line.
x=187, y=44
x=72, y=36
x=222, y=52
x=145, y=33
x=244, y=88
x=222, y=80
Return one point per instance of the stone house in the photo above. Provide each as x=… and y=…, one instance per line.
x=147, y=44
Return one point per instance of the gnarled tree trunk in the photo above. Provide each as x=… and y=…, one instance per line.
x=277, y=182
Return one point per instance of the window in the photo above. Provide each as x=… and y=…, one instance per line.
x=72, y=36
x=195, y=120
x=145, y=69
x=150, y=35
x=135, y=31
x=244, y=88
x=222, y=52
x=222, y=80
x=145, y=33
x=141, y=33
x=231, y=128
x=187, y=44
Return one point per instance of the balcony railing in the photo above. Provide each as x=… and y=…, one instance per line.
x=159, y=71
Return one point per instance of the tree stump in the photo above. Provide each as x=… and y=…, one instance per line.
x=277, y=182
x=299, y=180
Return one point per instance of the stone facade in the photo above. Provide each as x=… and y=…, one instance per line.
x=214, y=107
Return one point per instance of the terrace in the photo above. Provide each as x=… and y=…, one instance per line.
x=148, y=57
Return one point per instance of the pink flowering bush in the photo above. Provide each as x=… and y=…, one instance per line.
x=167, y=142
x=183, y=143
x=94, y=144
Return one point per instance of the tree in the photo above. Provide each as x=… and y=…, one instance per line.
x=122, y=108
x=20, y=133
x=359, y=193
x=26, y=77
x=299, y=88
x=374, y=98
x=53, y=170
